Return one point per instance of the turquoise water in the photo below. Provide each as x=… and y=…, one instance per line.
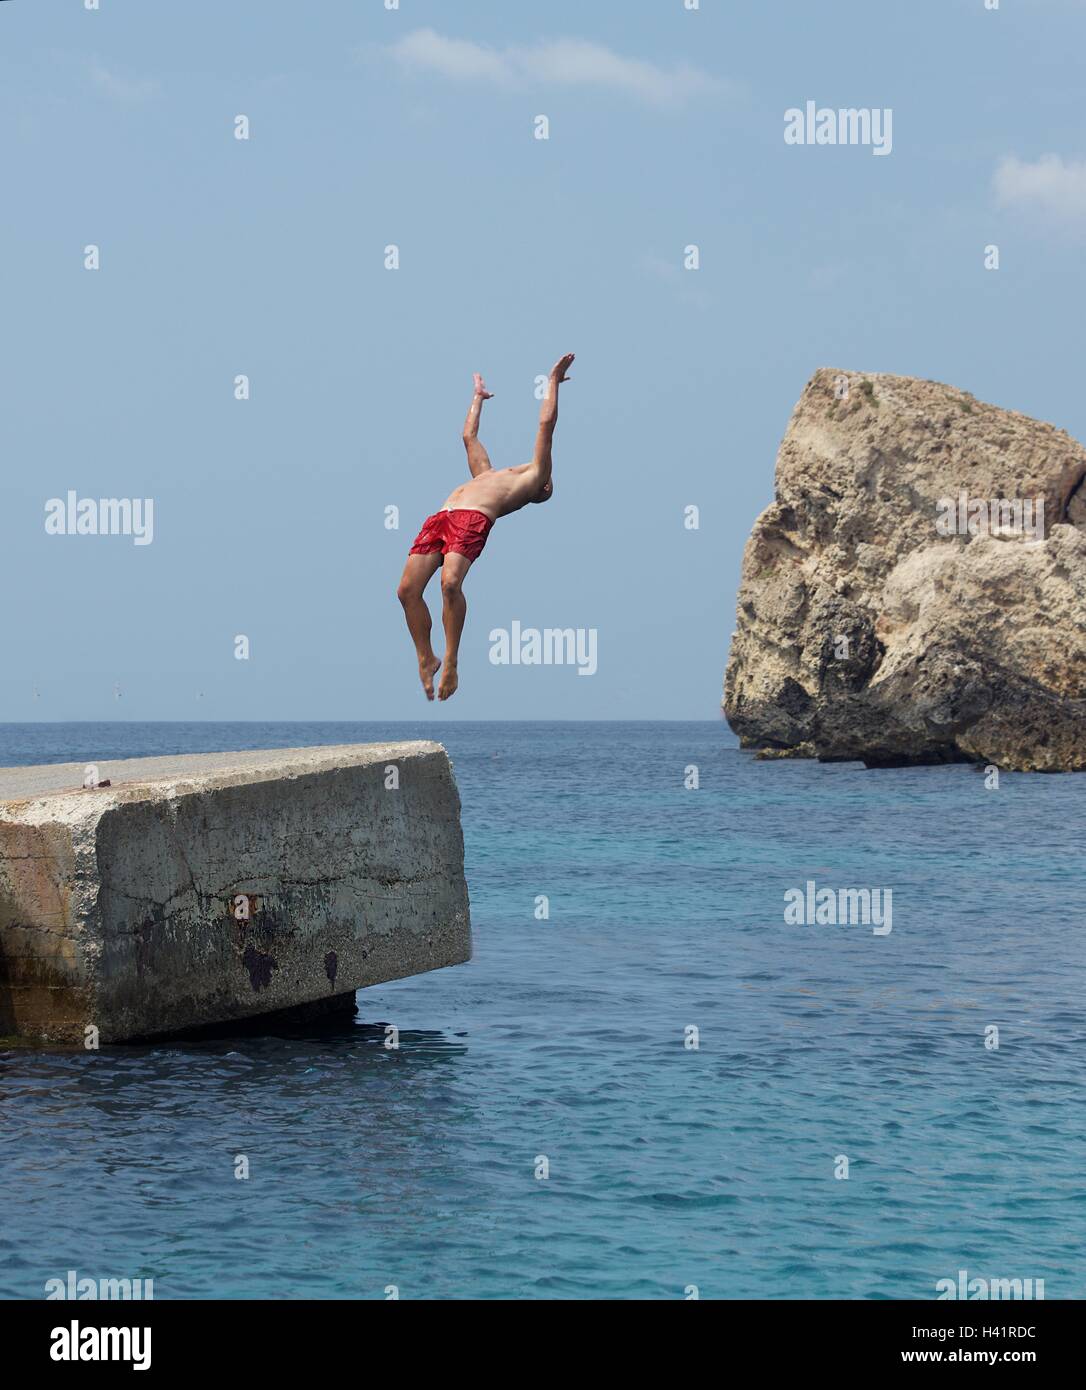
x=564, y=1038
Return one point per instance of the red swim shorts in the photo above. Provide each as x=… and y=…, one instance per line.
x=460, y=532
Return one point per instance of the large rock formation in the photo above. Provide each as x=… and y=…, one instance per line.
x=175, y=892
x=867, y=632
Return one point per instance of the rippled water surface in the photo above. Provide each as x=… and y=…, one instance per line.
x=564, y=1038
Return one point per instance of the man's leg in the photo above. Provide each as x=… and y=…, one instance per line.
x=417, y=573
x=454, y=609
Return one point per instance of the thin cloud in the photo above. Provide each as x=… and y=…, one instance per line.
x=660, y=267
x=1051, y=185
x=121, y=88
x=554, y=62
x=684, y=283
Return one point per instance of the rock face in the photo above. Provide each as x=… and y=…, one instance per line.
x=866, y=631
x=213, y=887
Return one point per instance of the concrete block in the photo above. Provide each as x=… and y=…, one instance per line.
x=211, y=887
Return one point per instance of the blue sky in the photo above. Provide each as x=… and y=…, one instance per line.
x=414, y=127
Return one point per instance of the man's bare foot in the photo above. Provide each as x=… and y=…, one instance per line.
x=561, y=367
x=480, y=388
x=449, y=682
x=427, y=670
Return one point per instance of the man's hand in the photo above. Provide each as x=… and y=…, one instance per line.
x=480, y=388
x=558, y=371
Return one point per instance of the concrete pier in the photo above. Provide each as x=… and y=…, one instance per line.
x=212, y=887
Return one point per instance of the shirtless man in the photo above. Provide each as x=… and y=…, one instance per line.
x=453, y=537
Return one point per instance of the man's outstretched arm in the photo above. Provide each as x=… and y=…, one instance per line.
x=478, y=458
x=548, y=418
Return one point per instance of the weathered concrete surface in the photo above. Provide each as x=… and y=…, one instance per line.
x=865, y=633
x=119, y=905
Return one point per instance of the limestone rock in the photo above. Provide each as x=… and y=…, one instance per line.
x=866, y=632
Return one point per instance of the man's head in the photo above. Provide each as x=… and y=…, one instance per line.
x=545, y=493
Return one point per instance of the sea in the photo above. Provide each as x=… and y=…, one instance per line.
x=648, y=1083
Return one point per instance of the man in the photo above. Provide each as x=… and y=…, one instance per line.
x=452, y=539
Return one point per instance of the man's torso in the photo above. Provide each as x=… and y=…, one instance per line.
x=496, y=492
